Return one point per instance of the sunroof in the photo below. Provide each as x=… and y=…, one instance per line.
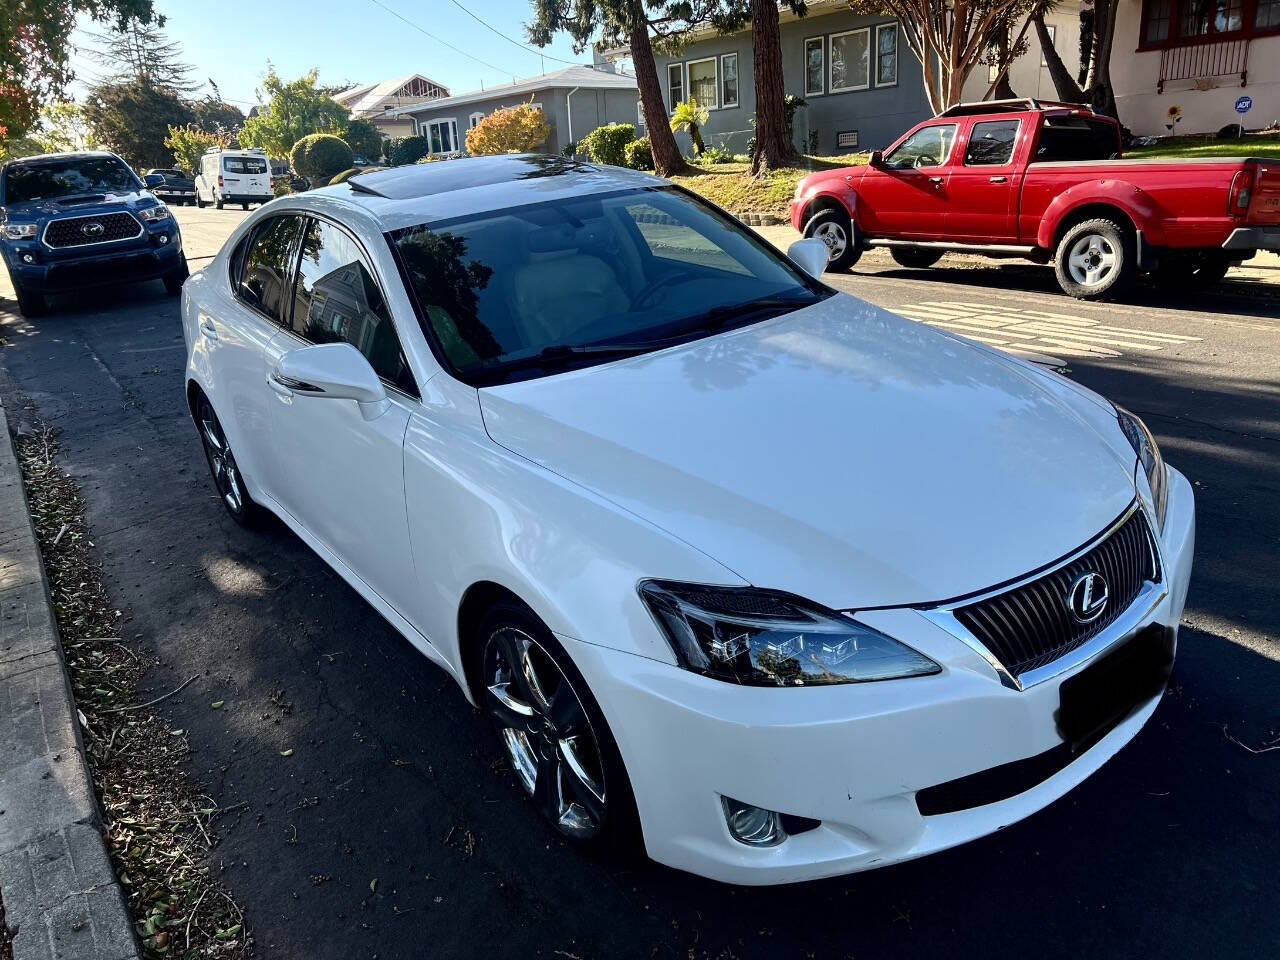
x=426, y=179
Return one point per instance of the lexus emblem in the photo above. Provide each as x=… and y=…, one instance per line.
x=92, y=229
x=1087, y=597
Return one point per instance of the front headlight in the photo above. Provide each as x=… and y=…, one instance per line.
x=1144, y=445
x=154, y=214
x=770, y=639
x=19, y=231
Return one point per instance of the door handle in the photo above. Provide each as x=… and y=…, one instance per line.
x=999, y=179
x=208, y=329
x=936, y=181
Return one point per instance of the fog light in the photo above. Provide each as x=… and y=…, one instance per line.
x=28, y=258
x=754, y=826
x=163, y=239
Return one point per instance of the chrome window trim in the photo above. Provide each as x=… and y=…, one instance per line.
x=1135, y=615
x=93, y=243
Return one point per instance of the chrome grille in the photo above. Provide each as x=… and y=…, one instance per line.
x=83, y=232
x=1032, y=624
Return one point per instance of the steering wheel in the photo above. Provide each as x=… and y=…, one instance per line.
x=661, y=283
x=924, y=160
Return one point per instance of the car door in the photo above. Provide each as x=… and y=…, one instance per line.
x=239, y=339
x=984, y=185
x=340, y=476
x=905, y=196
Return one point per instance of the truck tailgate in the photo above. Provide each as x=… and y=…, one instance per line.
x=1264, y=210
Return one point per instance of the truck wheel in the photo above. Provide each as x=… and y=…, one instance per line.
x=175, y=278
x=1095, y=260
x=244, y=206
x=836, y=230
x=30, y=304
x=217, y=204
x=1192, y=273
x=916, y=257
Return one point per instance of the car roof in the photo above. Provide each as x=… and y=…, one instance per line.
x=55, y=157
x=420, y=193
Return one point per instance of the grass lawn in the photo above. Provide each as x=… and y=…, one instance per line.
x=731, y=186
x=1186, y=147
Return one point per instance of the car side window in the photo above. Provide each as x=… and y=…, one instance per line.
x=261, y=271
x=927, y=147
x=991, y=143
x=337, y=300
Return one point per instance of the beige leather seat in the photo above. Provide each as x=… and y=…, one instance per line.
x=556, y=294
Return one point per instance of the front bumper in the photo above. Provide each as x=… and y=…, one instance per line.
x=58, y=271
x=853, y=757
x=1253, y=238
x=245, y=197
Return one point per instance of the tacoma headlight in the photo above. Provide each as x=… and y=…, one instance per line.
x=770, y=639
x=154, y=214
x=1144, y=445
x=19, y=231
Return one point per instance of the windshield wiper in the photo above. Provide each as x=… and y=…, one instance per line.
x=717, y=318
x=550, y=356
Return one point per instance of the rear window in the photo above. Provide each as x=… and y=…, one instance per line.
x=1076, y=138
x=55, y=179
x=244, y=164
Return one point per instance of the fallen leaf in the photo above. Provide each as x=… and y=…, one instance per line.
x=287, y=753
x=217, y=704
x=373, y=885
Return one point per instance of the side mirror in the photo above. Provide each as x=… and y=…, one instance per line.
x=153, y=180
x=811, y=255
x=335, y=371
x=876, y=159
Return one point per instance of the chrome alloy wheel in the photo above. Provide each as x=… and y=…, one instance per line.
x=548, y=736
x=222, y=463
x=835, y=236
x=1092, y=260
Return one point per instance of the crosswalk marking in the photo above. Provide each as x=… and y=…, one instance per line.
x=1038, y=330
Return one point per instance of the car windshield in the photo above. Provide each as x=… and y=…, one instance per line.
x=55, y=179
x=244, y=165
x=533, y=290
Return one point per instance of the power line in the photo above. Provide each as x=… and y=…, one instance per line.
x=408, y=22
x=493, y=29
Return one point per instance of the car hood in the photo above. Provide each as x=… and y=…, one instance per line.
x=840, y=452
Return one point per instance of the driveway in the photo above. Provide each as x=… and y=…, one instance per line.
x=394, y=829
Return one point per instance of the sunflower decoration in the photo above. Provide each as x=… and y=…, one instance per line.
x=1173, y=117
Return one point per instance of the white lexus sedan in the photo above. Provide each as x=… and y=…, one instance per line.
x=774, y=580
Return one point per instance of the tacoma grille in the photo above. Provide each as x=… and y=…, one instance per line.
x=1032, y=624
x=83, y=231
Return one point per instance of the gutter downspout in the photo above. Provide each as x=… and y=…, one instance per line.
x=568, y=106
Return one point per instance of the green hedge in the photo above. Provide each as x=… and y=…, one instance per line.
x=408, y=150
x=608, y=144
x=320, y=156
x=639, y=155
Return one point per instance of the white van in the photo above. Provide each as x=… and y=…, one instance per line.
x=233, y=176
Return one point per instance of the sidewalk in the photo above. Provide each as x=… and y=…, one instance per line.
x=61, y=896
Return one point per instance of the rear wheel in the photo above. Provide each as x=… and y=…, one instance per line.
x=199, y=201
x=1095, y=260
x=226, y=472
x=245, y=206
x=217, y=204
x=30, y=304
x=556, y=738
x=836, y=230
x=915, y=257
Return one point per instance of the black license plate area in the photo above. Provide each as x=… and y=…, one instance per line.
x=1109, y=690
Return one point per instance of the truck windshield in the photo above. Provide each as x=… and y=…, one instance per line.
x=244, y=165
x=1077, y=138
x=69, y=177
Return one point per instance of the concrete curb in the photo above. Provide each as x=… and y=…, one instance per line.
x=61, y=895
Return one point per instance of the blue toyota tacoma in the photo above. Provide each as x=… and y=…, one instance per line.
x=75, y=220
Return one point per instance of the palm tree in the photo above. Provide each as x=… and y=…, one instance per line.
x=689, y=116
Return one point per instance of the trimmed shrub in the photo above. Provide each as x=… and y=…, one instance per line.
x=639, y=155
x=320, y=156
x=608, y=144
x=714, y=155
x=521, y=129
x=408, y=150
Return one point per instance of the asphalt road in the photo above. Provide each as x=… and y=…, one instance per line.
x=394, y=829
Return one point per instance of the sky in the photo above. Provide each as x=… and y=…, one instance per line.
x=361, y=41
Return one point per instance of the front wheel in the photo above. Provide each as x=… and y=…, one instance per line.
x=1095, y=260
x=30, y=304
x=244, y=206
x=915, y=257
x=556, y=739
x=217, y=204
x=175, y=278
x=836, y=230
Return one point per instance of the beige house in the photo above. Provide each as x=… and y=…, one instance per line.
x=1029, y=75
x=1200, y=56
x=374, y=101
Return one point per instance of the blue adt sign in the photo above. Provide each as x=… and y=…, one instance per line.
x=1244, y=104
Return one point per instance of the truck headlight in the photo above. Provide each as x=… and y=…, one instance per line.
x=154, y=214
x=19, y=231
x=770, y=639
x=1144, y=445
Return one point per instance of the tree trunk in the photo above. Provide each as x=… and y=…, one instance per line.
x=666, y=154
x=1101, y=96
x=1065, y=84
x=773, y=147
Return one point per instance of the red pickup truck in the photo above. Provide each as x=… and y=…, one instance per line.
x=1046, y=182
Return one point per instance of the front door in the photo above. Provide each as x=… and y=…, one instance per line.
x=985, y=187
x=906, y=196
x=340, y=476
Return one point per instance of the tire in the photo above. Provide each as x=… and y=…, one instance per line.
x=1096, y=260
x=199, y=202
x=175, y=278
x=1192, y=272
x=217, y=204
x=915, y=257
x=244, y=206
x=836, y=230
x=30, y=304
x=226, y=473
x=560, y=748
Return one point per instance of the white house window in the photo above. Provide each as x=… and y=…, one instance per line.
x=675, y=83
x=702, y=82
x=640, y=114
x=1053, y=42
x=729, y=80
x=886, y=54
x=815, y=66
x=474, y=120
x=442, y=136
x=851, y=60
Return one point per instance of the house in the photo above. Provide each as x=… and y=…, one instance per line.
x=575, y=100
x=1029, y=74
x=375, y=101
x=1202, y=58
x=861, y=84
